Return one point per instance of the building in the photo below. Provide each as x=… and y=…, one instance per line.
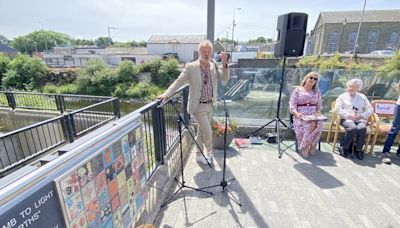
x=11, y=52
x=185, y=46
x=337, y=31
x=77, y=57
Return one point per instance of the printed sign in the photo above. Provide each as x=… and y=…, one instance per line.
x=40, y=209
x=107, y=189
x=385, y=109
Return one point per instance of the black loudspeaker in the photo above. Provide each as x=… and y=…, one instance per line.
x=292, y=29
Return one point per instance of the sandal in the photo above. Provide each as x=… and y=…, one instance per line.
x=305, y=151
x=312, y=149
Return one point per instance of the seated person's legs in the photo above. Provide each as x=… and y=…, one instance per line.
x=351, y=131
x=361, y=135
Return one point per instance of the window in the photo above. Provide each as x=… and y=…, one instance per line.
x=332, y=43
x=372, y=41
x=392, y=41
x=351, y=41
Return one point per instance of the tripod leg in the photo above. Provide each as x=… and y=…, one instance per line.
x=173, y=195
x=283, y=123
x=252, y=133
x=197, y=189
x=232, y=197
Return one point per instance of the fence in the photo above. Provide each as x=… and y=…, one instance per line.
x=47, y=101
x=25, y=143
x=160, y=127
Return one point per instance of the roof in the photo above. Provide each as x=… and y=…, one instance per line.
x=355, y=16
x=127, y=51
x=181, y=39
x=5, y=48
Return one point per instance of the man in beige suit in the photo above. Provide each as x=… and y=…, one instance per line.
x=203, y=79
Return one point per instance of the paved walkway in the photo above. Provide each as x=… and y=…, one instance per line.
x=325, y=190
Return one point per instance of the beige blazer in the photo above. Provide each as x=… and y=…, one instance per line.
x=192, y=74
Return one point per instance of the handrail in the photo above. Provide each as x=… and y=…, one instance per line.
x=92, y=106
x=30, y=127
x=52, y=94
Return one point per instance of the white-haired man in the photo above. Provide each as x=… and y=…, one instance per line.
x=202, y=77
x=354, y=109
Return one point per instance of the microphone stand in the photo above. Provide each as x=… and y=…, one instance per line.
x=182, y=184
x=225, y=182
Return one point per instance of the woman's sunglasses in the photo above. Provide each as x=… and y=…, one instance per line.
x=312, y=78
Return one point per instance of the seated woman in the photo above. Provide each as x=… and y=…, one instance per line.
x=306, y=101
x=354, y=110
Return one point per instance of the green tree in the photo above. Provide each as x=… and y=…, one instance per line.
x=226, y=40
x=82, y=42
x=39, y=40
x=4, y=61
x=259, y=39
x=391, y=67
x=4, y=39
x=142, y=44
x=152, y=67
x=25, y=73
x=127, y=72
x=167, y=73
x=103, y=41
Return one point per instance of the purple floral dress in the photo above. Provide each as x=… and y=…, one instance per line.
x=306, y=103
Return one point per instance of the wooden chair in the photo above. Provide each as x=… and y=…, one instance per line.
x=336, y=128
x=384, y=110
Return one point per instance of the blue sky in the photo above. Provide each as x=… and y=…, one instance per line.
x=138, y=20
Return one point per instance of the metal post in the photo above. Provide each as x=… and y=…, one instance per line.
x=158, y=134
x=358, y=31
x=186, y=115
x=59, y=103
x=11, y=100
x=117, y=112
x=210, y=20
x=67, y=128
x=72, y=123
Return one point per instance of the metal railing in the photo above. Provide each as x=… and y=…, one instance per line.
x=25, y=143
x=160, y=128
x=47, y=101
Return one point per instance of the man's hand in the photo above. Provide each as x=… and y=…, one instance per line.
x=224, y=57
x=162, y=98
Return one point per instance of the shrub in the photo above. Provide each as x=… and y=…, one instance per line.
x=144, y=90
x=60, y=89
x=24, y=73
x=127, y=72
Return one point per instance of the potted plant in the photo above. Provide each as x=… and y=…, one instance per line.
x=218, y=130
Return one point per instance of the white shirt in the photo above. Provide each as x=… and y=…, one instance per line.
x=347, y=105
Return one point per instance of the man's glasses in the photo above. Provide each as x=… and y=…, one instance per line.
x=312, y=78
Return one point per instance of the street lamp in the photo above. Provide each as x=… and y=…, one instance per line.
x=233, y=29
x=358, y=31
x=341, y=35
